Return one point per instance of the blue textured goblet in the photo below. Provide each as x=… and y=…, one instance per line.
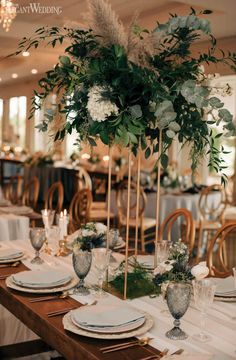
x=82, y=261
x=178, y=298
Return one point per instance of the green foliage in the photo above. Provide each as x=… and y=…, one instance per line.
x=139, y=281
x=164, y=93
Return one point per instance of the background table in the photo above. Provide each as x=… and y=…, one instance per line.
x=170, y=202
x=13, y=227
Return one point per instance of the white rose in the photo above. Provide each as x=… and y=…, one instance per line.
x=86, y=232
x=164, y=267
x=200, y=271
x=101, y=228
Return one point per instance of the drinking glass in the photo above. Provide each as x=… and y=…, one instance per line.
x=203, y=291
x=113, y=237
x=82, y=261
x=101, y=259
x=163, y=248
x=37, y=239
x=53, y=234
x=178, y=298
x=49, y=218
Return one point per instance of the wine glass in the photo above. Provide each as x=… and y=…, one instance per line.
x=204, y=291
x=234, y=273
x=163, y=249
x=82, y=261
x=37, y=239
x=48, y=217
x=101, y=259
x=53, y=233
x=178, y=298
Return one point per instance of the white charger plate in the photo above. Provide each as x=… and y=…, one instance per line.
x=9, y=261
x=10, y=283
x=225, y=299
x=68, y=325
x=40, y=279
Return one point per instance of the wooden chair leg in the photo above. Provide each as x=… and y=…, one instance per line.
x=142, y=239
x=199, y=244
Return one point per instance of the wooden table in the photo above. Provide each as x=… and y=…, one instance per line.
x=71, y=346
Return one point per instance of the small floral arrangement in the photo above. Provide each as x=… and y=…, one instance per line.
x=177, y=269
x=94, y=159
x=91, y=235
x=170, y=177
x=39, y=159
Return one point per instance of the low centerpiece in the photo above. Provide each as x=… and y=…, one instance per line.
x=90, y=236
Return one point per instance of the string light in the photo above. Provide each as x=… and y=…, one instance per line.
x=7, y=13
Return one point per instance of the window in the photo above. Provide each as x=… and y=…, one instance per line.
x=1, y=117
x=17, y=120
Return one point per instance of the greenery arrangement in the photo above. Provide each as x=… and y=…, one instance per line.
x=90, y=235
x=39, y=159
x=131, y=87
x=140, y=281
x=177, y=268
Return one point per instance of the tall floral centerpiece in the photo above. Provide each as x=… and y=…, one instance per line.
x=134, y=87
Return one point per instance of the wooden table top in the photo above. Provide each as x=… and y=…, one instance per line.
x=50, y=329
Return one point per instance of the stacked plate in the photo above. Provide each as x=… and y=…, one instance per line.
x=10, y=255
x=45, y=281
x=146, y=261
x=107, y=322
x=226, y=290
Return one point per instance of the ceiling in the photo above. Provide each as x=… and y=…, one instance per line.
x=72, y=14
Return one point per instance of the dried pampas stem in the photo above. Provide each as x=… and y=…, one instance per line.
x=104, y=22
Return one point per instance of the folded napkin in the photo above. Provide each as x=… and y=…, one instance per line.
x=7, y=254
x=41, y=278
x=225, y=287
x=106, y=316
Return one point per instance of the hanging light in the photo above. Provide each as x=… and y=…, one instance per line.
x=7, y=13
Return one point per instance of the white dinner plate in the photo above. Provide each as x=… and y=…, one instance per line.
x=41, y=279
x=10, y=254
x=10, y=283
x=68, y=325
x=17, y=210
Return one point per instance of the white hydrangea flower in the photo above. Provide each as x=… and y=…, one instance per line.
x=200, y=271
x=100, y=228
x=100, y=109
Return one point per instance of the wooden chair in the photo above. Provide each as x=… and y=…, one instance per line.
x=31, y=193
x=218, y=261
x=189, y=227
x=146, y=226
x=13, y=190
x=98, y=210
x=83, y=179
x=56, y=188
x=211, y=214
x=79, y=209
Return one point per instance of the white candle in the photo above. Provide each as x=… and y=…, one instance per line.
x=45, y=219
x=65, y=218
x=61, y=225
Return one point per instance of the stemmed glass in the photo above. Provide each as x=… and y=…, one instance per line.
x=178, y=298
x=101, y=259
x=112, y=238
x=48, y=219
x=163, y=248
x=82, y=261
x=37, y=239
x=204, y=291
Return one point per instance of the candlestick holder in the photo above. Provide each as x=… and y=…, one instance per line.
x=63, y=249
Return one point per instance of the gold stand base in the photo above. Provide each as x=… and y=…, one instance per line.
x=63, y=250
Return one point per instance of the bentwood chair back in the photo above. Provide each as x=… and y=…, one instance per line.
x=146, y=226
x=211, y=213
x=221, y=251
x=55, y=192
x=79, y=209
x=83, y=179
x=212, y=210
x=31, y=193
x=168, y=223
x=13, y=190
